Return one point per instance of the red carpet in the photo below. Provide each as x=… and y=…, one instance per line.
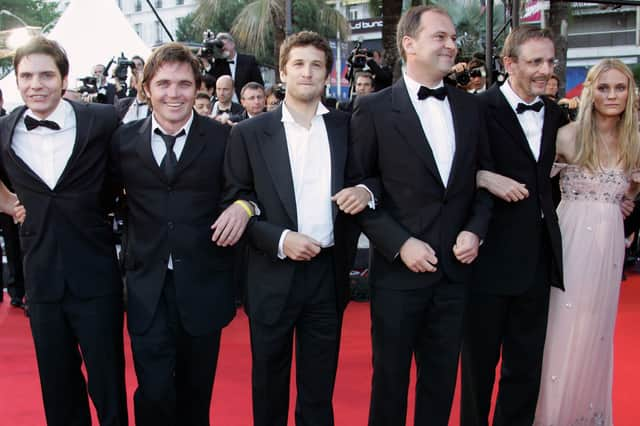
x=21, y=403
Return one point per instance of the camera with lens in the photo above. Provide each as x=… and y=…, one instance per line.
x=279, y=91
x=90, y=90
x=359, y=56
x=212, y=47
x=122, y=66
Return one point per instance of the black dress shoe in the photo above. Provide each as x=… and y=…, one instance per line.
x=17, y=303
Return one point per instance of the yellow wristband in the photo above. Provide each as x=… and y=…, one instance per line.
x=244, y=205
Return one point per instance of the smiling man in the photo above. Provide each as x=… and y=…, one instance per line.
x=300, y=247
x=421, y=141
x=55, y=153
x=179, y=282
x=522, y=253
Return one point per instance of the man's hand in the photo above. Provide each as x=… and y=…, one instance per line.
x=501, y=186
x=230, y=225
x=9, y=204
x=466, y=247
x=418, y=256
x=298, y=246
x=352, y=200
x=626, y=206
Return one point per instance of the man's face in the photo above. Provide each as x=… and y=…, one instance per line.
x=40, y=84
x=98, y=71
x=203, y=106
x=253, y=101
x=551, y=88
x=529, y=72
x=229, y=47
x=305, y=74
x=364, y=86
x=138, y=64
x=224, y=90
x=477, y=78
x=172, y=93
x=433, y=50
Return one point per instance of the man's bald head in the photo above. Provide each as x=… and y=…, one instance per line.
x=224, y=89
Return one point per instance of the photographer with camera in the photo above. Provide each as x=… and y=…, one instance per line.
x=219, y=57
x=470, y=76
x=135, y=107
x=362, y=59
x=95, y=88
x=275, y=96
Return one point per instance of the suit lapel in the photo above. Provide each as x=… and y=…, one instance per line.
x=84, y=122
x=143, y=148
x=276, y=155
x=508, y=120
x=549, y=130
x=458, y=112
x=8, y=133
x=193, y=146
x=337, y=136
x=408, y=125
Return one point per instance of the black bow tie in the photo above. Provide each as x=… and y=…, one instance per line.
x=223, y=111
x=536, y=106
x=32, y=123
x=440, y=93
x=231, y=62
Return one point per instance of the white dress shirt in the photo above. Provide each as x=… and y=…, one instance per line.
x=136, y=111
x=530, y=121
x=159, y=148
x=47, y=151
x=437, y=125
x=310, y=159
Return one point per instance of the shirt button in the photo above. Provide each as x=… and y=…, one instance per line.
x=170, y=225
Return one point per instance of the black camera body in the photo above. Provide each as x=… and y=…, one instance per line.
x=122, y=66
x=212, y=47
x=359, y=56
x=90, y=87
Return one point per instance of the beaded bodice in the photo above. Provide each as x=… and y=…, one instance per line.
x=579, y=184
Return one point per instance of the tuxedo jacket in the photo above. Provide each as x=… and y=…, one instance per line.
x=66, y=238
x=257, y=168
x=174, y=217
x=247, y=70
x=391, y=155
x=509, y=256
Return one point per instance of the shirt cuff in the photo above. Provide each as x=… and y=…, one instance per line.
x=281, y=254
x=256, y=209
x=372, y=199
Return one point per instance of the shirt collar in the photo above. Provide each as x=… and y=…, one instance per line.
x=155, y=125
x=413, y=86
x=58, y=115
x=512, y=97
x=288, y=118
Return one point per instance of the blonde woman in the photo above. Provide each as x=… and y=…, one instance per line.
x=598, y=154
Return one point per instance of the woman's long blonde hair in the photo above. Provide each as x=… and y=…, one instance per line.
x=587, y=138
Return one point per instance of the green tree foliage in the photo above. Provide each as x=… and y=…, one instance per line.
x=37, y=13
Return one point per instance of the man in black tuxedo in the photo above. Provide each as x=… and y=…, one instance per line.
x=179, y=282
x=3, y=112
x=242, y=68
x=521, y=255
x=55, y=153
x=300, y=246
x=417, y=145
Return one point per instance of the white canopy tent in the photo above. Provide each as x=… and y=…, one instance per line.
x=92, y=32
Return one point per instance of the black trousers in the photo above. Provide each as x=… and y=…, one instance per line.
x=65, y=334
x=175, y=370
x=311, y=313
x=514, y=326
x=15, y=282
x=425, y=323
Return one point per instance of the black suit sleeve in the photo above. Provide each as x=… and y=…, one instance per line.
x=254, y=73
x=386, y=234
x=478, y=222
x=239, y=185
